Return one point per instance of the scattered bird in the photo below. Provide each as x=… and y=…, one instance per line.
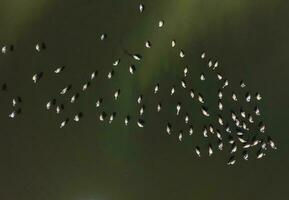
x=65, y=90
x=111, y=118
x=197, y=150
x=36, y=77
x=232, y=160
x=141, y=8
x=182, y=54
x=140, y=123
x=148, y=44
x=63, y=123
x=203, y=55
x=132, y=69
x=40, y=46
x=98, y=102
x=161, y=23
x=156, y=88
x=126, y=120
x=205, y=112
x=59, y=69
x=258, y=96
x=103, y=36
x=116, y=94
x=202, y=77
x=116, y=62
x=242, y=84
x=173, y=43
x=178, y=108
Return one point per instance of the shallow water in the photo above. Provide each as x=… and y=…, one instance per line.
x=91, y=160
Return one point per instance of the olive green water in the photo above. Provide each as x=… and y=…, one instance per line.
x=93, y=161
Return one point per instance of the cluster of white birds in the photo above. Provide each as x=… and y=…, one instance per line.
x=238, y=133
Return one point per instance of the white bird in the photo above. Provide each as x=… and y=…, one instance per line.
x=36, y=77
x=219, y=136
x=14, y=102
x=103, y=36
x=110, y=74
x=131, y=69
x=203, y=55
x=161, y=23
x=185, y=71
x=210, y=63
x=136, y=57
x=58, y=109
x=159, y=107
x=233, y=115
x=126, y=120
x=173, y=90
x=243, y=114
x=211, y=128
x=234, y=97
x=184, y=85
x=262, y=127
x=201, y=99
x=4, y=50
x=260, y=154
x=168, y=128
x=59, y=69
x=73, y=98
x=192, y=94
x=102, y=116
x=13, y=114
x=148, y=44
x=173, y=43
x=187, y=118
x=258, y=96
x=141, y=8
x=178, y=108
x=63, y=123
x=139, y=99
x=197, y=150
x=226, y=83
x=180, y=136
x=263, y=145
x=246, y=146
x=210, y=150
x=191, y=130
x=116, y=62
x=64, y=90
x=220, y=94
x=205, y=132
x=232, y=160
x=220, y=145
x=205, y=112
x=202, y=77
x=93, y=74
x=156, y=88
x=111, y=117
x=77, y=117
x=98, y=102
x=85, y=86
x=140, y=123
x=37, y=47
x=219, y=76
x=257, y=111
x=48, y=105
x=245, y=155
x=116, y=94
x=216, y=65
x=220, y=120
x=248, y=97
x=242, y=84
x=250, y=118
x=228, y=130
x=220, y=105
x=182, y=54
x=233, y=148
x=271, y=143
x=239, y=133
x=141, y=111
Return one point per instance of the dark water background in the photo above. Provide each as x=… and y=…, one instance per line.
x=92, y=161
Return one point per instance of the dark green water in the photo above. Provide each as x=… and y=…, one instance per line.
x=93, y=161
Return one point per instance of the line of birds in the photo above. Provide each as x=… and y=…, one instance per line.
x=238, y=131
